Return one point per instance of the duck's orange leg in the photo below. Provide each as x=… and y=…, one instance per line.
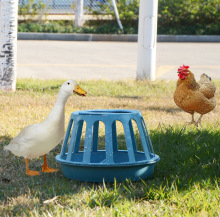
x=47, y=169
x=30, y=172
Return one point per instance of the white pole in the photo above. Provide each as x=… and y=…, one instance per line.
x=79, y=13
x=147, y=38
x=8, y=43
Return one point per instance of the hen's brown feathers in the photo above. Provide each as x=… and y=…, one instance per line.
x=195, y=97
x=206, y=86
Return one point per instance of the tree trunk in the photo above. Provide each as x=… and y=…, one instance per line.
x=8, y=43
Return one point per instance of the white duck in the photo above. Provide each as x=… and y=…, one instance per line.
x=38, y=139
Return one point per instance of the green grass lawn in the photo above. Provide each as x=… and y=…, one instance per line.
x=185, y=181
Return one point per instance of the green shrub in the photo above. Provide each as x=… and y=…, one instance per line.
x=29, y=10
x=127, y=11
x=194, y=17
x=98, y=27
x=189, y=17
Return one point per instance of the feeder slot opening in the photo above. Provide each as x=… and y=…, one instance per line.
x=67, y=139
x=137, y=138
x=150, y=146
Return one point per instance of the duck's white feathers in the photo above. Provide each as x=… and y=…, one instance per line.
x=38, y=139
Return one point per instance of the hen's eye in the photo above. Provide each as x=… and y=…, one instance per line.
x=68, y=83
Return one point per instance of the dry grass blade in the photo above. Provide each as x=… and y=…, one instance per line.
x=51, y=200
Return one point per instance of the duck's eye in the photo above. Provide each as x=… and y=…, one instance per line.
x=68, y=83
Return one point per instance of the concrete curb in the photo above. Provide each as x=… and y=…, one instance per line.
x=188, y=38
x=76, y=37
x=114, y=37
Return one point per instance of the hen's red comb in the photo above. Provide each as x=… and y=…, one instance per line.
x=181, y=68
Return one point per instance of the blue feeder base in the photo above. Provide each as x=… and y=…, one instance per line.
x=99, y=171
x=94, y=164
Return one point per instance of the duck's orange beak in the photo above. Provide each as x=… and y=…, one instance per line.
x=79, y=91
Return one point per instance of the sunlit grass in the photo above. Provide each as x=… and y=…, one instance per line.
x=185, y=181
x=104, y=87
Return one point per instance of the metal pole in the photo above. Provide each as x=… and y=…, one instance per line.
x=8, y=43
x=147, y=38
x=117, y=14
x=44, y=11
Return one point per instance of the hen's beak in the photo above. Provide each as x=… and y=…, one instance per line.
x=183, y=70
x=79, y=91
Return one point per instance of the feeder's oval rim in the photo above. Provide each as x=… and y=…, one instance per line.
x=106, y=112
x=153, y=160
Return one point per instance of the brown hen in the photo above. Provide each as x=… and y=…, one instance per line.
x=192, y=96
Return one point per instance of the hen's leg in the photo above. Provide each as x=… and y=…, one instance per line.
x=47, y=169
x=199, y=120
x=30, y=172
x=193, y=121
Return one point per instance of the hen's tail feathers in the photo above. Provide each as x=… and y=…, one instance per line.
x=206, y=76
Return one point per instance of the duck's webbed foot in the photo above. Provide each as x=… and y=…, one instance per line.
x=47, y=169
x=30, y=172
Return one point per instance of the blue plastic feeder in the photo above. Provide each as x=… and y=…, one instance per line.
x=93, y=164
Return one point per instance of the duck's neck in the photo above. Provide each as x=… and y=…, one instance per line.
x=57, y=114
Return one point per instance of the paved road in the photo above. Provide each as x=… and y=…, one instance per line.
x=111, y=60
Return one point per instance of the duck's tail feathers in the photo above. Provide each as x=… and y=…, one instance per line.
x=6, y=149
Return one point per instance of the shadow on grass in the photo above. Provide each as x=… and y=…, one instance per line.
x=4, y=140
x=164, y=109
x=187, y=156
x=14, y=182
x=130, y=97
